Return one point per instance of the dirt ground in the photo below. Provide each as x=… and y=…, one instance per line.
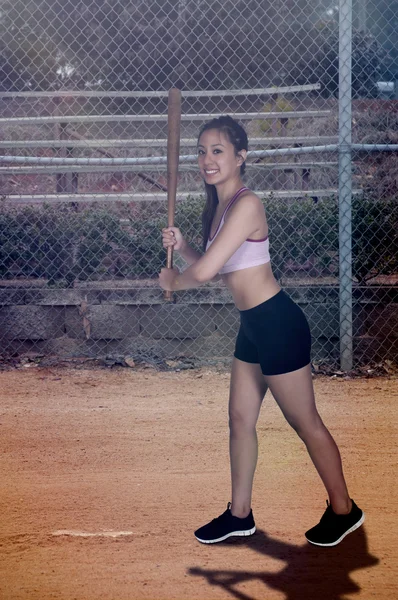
x=106, y=473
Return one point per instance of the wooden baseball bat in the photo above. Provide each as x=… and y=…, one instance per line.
x=173, y=155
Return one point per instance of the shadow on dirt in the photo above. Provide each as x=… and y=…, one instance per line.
x=311, y=572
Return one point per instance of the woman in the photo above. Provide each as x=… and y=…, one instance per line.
x=273, y=344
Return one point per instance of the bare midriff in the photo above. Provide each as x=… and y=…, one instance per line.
x=252, y=286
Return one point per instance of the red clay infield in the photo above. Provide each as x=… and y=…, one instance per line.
x=106, y=473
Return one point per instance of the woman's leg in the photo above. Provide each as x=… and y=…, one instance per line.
x=247, y=390
x=294, y=394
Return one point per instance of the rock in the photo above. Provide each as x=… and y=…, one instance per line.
x=172, y=363
x=129, y=361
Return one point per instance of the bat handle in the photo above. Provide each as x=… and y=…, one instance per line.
x=167, y=294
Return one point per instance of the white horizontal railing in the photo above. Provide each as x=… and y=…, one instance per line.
x=157, y=168
x=163, y=94
x=192, y=117
x=156, y=143
x=152, y=197
x=155, y=160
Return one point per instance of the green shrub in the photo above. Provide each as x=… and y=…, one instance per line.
x=36, y=242
x=280, y=105
x=61, y=245
x=55, y=243
x=306, y=233
x=374, y=238
x=303, y=231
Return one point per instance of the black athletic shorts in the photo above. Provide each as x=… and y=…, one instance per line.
x=274, y=334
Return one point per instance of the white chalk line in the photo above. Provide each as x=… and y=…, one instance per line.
x=89, y=534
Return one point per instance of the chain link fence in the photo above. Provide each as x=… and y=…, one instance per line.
x=83, y=107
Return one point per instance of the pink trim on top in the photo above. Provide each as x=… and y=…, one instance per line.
x=262, y=240
x=211, y=238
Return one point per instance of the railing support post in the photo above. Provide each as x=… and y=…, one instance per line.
x=345, y=184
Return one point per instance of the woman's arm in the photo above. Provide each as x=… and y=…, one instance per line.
x=189, y=254
x=241, y=224
x=172, y=236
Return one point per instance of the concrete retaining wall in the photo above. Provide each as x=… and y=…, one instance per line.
x=202, y=323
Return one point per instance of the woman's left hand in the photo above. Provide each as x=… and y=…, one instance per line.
x=167, y=278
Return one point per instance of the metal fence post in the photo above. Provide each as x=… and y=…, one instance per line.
x=345, y=184
x=274, y=66
x=362, y=15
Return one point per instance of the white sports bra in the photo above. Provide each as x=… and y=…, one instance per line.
x=250, y=254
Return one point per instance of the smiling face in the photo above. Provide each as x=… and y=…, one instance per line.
x=217, y=158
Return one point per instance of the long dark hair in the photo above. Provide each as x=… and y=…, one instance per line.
x=238, y=138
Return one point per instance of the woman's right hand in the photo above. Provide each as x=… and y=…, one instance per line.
x=171, y=236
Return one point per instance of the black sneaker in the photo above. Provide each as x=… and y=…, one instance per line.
x=225, y=526
x=332, y=528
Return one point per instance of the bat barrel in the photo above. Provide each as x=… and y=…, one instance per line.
x=173, y=150
x=173, y=155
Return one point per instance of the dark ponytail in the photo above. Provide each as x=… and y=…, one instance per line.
x=238, y=138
